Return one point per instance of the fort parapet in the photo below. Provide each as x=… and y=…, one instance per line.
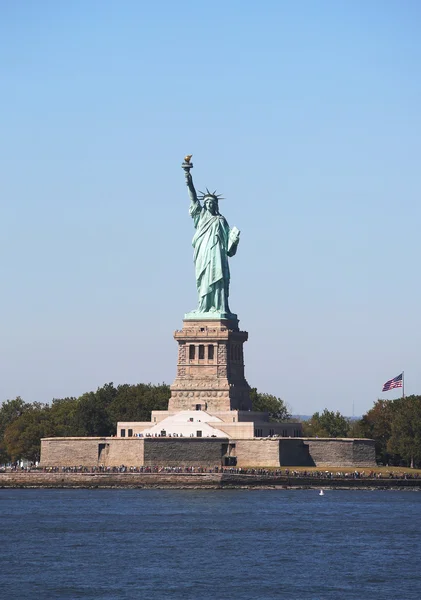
x=207, y=452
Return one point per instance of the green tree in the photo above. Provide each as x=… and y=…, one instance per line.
x=64, y=417
x=405, y=438
x=277, y=409
x=10, y=410
x=92, y=416
x=135, y=402
x=23, y=436
x=355, y=429
x=376, y=424
x=329, y=424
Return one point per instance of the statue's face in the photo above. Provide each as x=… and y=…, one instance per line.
x=211, y=205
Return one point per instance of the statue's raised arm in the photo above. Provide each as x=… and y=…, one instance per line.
x=187, y=166
x=213, y=243
x=190, y=187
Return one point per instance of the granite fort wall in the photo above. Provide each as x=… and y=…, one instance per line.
x=281, y=452
x=341, y=452
x=69, y=452
x=90, y=452
x=294, y=453
x=173, y=452
x=257, y=452
x=207, y=452
x=364, y=452
x=114, y=452
x=123, y=451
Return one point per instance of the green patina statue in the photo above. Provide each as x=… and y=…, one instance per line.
x=213, y=243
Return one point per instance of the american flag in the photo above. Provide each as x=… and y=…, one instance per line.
x=393, y=383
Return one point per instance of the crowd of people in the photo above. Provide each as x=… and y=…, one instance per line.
x=285, y=473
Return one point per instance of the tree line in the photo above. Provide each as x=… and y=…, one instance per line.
x=395, y=425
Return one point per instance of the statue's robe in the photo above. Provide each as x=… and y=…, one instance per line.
x=212, y=246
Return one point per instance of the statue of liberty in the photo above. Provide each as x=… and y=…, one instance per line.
x=213, y=243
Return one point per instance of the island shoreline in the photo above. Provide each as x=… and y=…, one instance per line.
x=197, y=481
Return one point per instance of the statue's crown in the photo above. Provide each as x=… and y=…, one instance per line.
x=209, y=194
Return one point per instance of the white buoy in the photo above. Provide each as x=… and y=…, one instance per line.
x=321, y=493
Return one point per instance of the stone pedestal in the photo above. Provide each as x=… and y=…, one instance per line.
x=210, y=368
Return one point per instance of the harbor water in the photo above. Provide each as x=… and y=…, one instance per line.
x=220, y=544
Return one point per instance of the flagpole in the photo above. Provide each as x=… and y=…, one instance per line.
x=403, y=384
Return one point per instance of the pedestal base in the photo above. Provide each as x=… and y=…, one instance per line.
x=210, y=369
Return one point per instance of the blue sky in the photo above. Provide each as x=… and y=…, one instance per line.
x=305, y=115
